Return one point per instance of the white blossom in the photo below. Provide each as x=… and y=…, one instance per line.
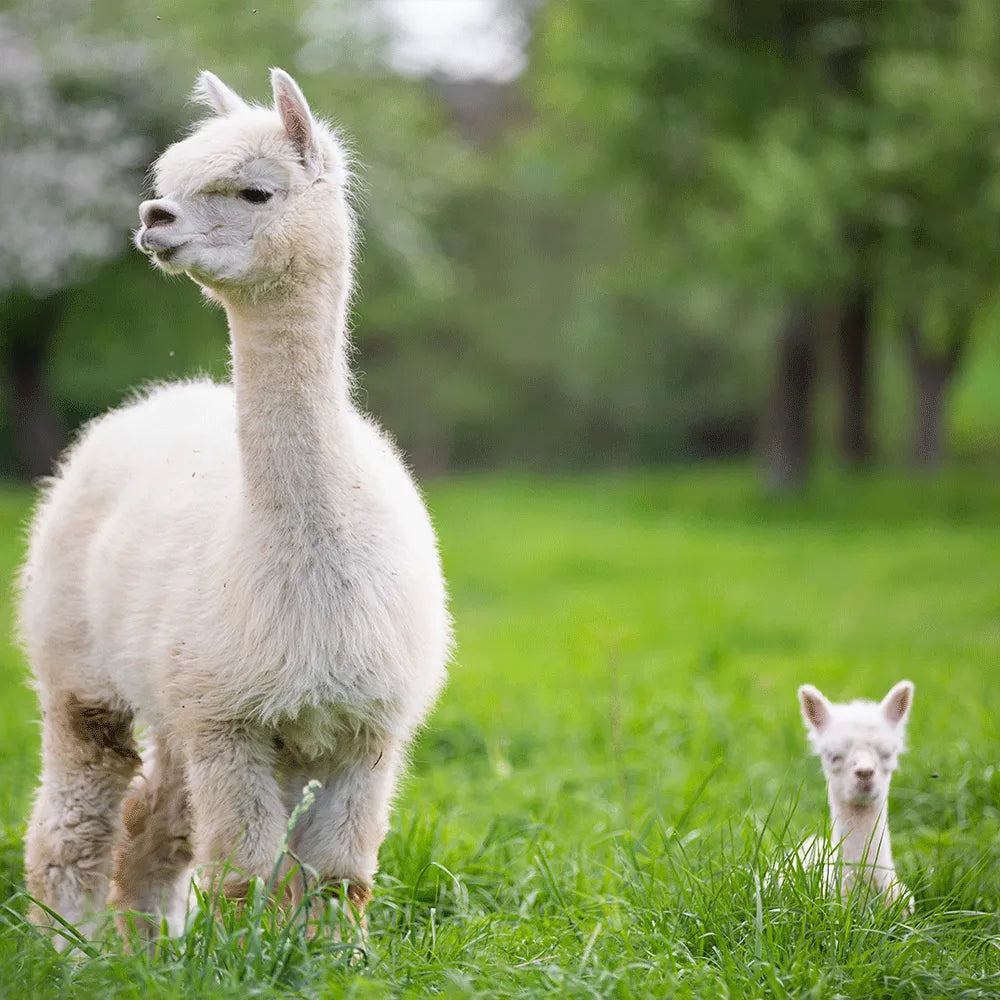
x=73, y=147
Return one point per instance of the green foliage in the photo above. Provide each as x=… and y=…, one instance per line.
x=618, y=768
x=931, y=156
x=803, y=143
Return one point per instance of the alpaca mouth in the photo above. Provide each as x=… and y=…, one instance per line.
x=158, y=244
x=164, y=257
x=166, y=254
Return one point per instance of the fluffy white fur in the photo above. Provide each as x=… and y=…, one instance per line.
x=248, y=569
x=858, y=744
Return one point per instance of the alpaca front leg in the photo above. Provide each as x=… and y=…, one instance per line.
x=238, y=818
x=893, y=889
x=88, y=759
x=340, y=836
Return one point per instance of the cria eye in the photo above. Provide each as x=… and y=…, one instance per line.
x=256, y=196
x=836, y=758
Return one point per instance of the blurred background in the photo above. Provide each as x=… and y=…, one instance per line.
x=596, y=232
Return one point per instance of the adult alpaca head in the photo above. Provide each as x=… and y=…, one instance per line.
x=253, y=204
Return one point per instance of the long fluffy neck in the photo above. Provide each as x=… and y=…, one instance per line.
x=862, y=832
x=292, y=394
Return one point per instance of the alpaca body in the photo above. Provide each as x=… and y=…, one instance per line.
x=153, y=583
x=249, y=570
x=858, y=744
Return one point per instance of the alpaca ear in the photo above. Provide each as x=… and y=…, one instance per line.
x=297, y=119
x=815, y=707
x=212, y=92
x=896, y=704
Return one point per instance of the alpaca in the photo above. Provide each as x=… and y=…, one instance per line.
x=248, y=570
x=858, y=744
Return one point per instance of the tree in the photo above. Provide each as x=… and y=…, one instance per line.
x=935, y=190
x=833, y=158
x=718, y=116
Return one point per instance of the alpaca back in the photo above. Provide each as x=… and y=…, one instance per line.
x=103, y=550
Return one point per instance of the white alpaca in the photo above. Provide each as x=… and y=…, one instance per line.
x=248, y=569
x=858, y=744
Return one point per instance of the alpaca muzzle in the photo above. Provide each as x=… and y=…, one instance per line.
x=158, y=233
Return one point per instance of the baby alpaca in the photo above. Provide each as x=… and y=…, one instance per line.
x=858, y=744
x=247, y=569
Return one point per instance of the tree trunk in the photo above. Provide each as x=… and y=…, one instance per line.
x=26, y=330
x=789, y=439
x=854, y=337
x=932, y=373
x=930, y=382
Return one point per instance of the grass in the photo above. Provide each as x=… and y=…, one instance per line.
x=618, y=767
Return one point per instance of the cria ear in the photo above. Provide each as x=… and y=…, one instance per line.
x=212, y=92
x=896, y=704
x=298, y=122
x=815, y=707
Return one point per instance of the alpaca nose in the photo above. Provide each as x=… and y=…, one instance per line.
x=864, y=773
x=157, y=213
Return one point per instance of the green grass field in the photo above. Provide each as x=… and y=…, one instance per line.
x=618, y=763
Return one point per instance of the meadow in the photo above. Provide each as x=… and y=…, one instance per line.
x=618, y=765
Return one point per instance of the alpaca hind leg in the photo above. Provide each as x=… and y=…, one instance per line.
x=154, y=847
x=238, y=816
x=340, y=836
x=88, y=759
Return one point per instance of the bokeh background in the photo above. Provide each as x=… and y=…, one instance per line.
x=596, y=233
x=686, y=314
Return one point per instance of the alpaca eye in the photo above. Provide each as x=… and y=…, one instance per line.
x=836, y=758
x=256, y=196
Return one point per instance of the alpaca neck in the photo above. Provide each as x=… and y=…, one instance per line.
x=292, y=394
x=862, y=832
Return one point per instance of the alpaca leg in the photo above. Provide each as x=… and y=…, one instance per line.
x=340, y=836
x=238, y=817
x=88, y=759
x=154, y=847
x=895, y=890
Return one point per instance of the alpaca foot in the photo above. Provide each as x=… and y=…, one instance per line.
x=336, y=910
